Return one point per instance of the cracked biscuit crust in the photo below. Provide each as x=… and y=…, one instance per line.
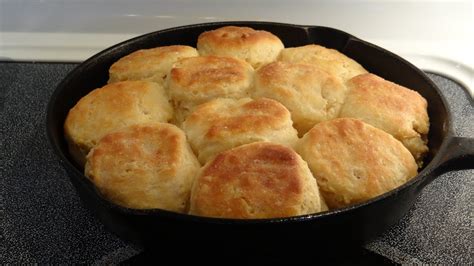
x=257, y=180
x=395, y=109
x=312, y=95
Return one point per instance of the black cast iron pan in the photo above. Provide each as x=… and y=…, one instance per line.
x=353, y=225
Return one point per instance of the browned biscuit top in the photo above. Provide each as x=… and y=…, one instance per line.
x=354, y=161
x=112, y=107
x=257, y=47
x=222, y=124
x=393, y=108
x=247, y=116
x=210, y=75
x=236, y=37
x=311, y=94
x=149, y=64
x=258, y=180
x=329, y=60
x=144, y=166
x=196, y=80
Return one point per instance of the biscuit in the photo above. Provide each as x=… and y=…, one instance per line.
x=144, y=166
x=329, y=60
x=149, y=64
x=257, y=47
x=393, y=108
x=196, y=80
x=312, y=95
x=257, y=180
x=111, y=107
x=354, y=161
x=222, y=124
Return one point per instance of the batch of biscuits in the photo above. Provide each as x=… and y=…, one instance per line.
x=242, y=127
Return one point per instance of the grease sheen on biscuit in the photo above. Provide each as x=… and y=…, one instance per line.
x=257, y=47
x=312, y=95
x=329, y=60
x=393, y=108
x=149, y=64
x=144, y=166
x=354, y=161
x=196, y=80
x=222, y=124
x=257, y=180
x=110, y=108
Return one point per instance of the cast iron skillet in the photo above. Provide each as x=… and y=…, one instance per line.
x=352, y=225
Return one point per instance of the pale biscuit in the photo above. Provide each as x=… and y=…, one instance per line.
x=222, y=124
x=257, y=47
x=354, y=161
x=144, y=166
x=329, y=60
x=257, y=180
x=196, y=80
x=312, y=95
x=393, y=108
x=149, y=64
x=110, y=108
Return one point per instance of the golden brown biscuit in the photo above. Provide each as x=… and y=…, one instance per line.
x=112, y=107
x=197, y=80
x=312, y=95
x=257, y=180
x=149, y=64
x=222, y=124
x=144, y=166
x=257, y=47
x=395, y=109
x=329, y=60
x=354, y=161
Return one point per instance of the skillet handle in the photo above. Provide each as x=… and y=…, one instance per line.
x=459, y=155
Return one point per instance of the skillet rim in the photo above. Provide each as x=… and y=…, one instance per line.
x=429, y=169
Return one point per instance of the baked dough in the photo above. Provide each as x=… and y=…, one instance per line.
x=393, y=108
x=257, y=180
x=354, y=161
x=329, y=60
x=149, y=64
x=222, y=124
x=144, y=166
x=257, y=47
x=110, y=108
x=312, y=95
x=197, y=80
